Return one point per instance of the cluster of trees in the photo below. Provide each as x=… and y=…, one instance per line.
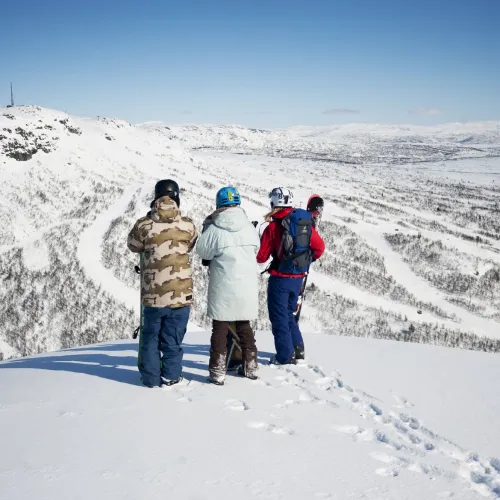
x=351, y=260
x=342, y=316
x=446, y=269
x=58, y=306
x=488, y=221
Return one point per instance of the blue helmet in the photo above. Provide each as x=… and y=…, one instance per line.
x=227, y=196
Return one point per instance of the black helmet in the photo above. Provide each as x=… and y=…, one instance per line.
x=168, y=188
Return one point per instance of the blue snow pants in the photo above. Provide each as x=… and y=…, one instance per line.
x=282, y=296
x=161, y=353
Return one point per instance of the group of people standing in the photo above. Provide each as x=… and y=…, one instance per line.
x=231, y=249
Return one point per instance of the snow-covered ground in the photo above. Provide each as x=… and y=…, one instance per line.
x=360, y=419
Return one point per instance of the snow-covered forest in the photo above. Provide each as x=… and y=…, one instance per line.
x=412, y=223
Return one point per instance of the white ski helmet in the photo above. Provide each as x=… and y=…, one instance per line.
x=281, y=197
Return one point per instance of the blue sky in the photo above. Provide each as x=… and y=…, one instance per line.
x=267, y=63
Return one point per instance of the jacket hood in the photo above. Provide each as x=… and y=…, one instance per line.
x=283, y=213
x=165, y=209
x=231, y=219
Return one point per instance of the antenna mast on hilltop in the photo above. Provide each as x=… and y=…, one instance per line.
x=11, y=105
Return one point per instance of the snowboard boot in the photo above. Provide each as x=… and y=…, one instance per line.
x=243, y=373
x=149, y=386
x=274, y=361
x=215, y=381
x=168, y=383
x=250, y=366
x=300, y=352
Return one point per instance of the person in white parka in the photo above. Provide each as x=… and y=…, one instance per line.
x=230, y=243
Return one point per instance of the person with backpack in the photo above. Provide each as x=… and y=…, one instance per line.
x=229, y=245
x=165, y=238
x=293, y=243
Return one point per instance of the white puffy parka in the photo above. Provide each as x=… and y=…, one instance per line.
x=231, y=243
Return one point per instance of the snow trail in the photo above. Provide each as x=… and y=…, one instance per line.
x=89, y=252
x=418, y=286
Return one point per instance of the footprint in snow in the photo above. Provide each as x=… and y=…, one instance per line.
x=341, y=385
x=286, y=404
x=375, y=409
x=306, y=397
x=384, y=457
x=495, y=463
x=358, y=433
x=324, y=383
x=401, y=402
x=389, y=472
x=235, y=405
x=395, y=464
x=412, y=422
x=261, y=383
x=65, y=414
x=317, y=370
x=284, y=431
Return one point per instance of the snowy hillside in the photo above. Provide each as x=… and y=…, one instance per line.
x=361, y=419
x=412, y=223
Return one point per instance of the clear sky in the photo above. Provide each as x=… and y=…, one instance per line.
x=268, y=63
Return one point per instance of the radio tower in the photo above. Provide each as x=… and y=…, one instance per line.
x=11, y=96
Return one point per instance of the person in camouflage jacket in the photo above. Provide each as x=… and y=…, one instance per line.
x=165, y=238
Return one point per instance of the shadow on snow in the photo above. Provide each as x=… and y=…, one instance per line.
x=95, y=361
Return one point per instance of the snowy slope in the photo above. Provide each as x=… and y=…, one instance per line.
x=412, y=223
x=361, y=419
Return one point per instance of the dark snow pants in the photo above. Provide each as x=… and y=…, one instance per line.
x=218, y=345
x=160, y=348
x=282, y=297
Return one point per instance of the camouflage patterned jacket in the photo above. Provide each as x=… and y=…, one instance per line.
x=165, y=238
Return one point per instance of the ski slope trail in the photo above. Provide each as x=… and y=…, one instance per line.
x=396, y=266
x=341, y=417
x=89, y=251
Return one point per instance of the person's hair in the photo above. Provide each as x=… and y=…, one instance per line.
x=270, y=215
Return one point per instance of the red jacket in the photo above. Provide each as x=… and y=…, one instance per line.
x=271, y=241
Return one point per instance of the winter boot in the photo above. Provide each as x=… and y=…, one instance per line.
x=274, y=361
x=149, y=386
x=167, y=383
x=215, y=381
x=217, y=367
x=300, y=352
x=250, y=366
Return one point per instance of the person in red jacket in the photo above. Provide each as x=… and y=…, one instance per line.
x=284, y=289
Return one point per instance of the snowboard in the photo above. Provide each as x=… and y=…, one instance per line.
x=315, y=206
x=234, y=358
